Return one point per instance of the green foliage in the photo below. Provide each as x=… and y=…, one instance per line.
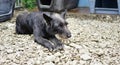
x=30, y=4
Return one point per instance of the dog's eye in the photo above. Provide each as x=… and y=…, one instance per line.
x=66, y=23
x=61, y=25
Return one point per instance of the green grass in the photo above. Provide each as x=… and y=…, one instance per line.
x=30, y=4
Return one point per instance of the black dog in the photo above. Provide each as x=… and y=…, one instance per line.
x=44, y=26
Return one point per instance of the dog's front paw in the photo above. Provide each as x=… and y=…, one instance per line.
x=51, y=47
x=48, y=45
x=59, y=46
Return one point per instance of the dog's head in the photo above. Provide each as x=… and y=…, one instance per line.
x=56, y=24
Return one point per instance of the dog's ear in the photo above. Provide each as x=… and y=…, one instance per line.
x=47, y=18
x=63, y=14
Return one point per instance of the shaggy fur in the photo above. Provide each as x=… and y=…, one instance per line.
x=44, y=27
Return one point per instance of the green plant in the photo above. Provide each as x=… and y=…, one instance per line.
x=30, y=4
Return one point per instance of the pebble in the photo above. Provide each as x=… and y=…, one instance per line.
x=9, y=51
x=2, y=48
x=74, y=62
x=82, y=62
x=38, y=62
x=97, y=51
x=31, y=62
x=67, y=47
x=85, y=57
x=50, y=58
x=50, y=63
x=76, y=46
x=96, y=63
x=57, y=54
x=102, y=45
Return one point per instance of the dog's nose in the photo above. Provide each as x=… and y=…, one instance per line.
x=69, y=35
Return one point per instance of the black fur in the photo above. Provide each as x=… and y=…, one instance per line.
x=44, y=26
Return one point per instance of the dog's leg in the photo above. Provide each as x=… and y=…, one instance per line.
x=21, y=24
x=45, y=43
x=58, y=44
x=39, y=39
x=19, y=27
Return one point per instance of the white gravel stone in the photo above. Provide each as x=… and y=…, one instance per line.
x=76, y=46
x=97, y=51
x=2, y=47
x=82, y=62
x=102, y=45
x=96, y=63
x=50, y=63
x=50, y=58
x=38, y=62
x=67, y=47
x=9, y=51
x=74, y=62
x=85, y=57
x=31, y=62
x=57, y=54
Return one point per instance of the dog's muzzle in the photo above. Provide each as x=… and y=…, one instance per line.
x=63, y=36
x=69, y=35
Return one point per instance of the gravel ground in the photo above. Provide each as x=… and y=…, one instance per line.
x=95, y=41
